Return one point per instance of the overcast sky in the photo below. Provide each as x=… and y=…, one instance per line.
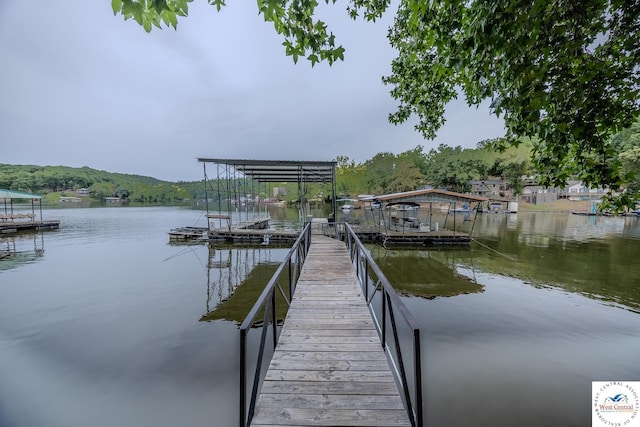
x=82, y=87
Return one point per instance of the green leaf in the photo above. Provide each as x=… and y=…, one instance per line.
x=116, y=5
x=218, y=4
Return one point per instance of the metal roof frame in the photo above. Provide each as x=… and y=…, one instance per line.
x=280, y=170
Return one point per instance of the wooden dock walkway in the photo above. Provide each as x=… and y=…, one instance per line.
x=329, y=368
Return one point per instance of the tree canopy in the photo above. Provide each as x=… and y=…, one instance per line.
x=563, y=73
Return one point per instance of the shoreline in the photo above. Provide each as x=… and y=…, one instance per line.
x=563, y=206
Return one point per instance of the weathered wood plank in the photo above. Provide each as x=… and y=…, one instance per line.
x=305, y=339
x=342, y=314
x=332, y=332
x=329, y=347
x=335, y=316
x=330, y=401
x=349, y=389
x=327, y=356
x=335, y=365
x=328, y=375
x=338, y=417
x=355, y=324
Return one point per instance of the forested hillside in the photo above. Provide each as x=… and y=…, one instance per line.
x=65, y=181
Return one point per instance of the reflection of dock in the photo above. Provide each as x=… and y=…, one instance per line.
x=236, y=275
x=586, y=213
x=427, y=273
x=19, y=249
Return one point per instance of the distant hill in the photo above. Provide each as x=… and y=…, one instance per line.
x=56, y=181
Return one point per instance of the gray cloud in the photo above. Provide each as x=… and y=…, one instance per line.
x=81, y=87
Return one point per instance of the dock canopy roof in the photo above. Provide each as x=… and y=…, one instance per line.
x=279, y=170
x=426, y=196
x=10, y=194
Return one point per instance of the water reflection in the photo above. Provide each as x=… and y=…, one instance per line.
x=520, y=355
x=525, y=350
x=558, y=225
x=20, y=248
x=236, y=276
x=104, y=329
x=593, y=256
x=427, y=273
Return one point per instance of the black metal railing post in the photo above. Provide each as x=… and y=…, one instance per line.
x=403, y=374
x=391, y=305
x=243, y=376
x=267, y=301
x=383, y=338
x=274, y=319
x=418, y=376
x=366, y=279
x=290, y=271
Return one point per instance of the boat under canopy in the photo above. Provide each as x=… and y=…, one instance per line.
x=407, y=218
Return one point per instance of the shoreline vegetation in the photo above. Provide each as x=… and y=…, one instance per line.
x=60, y=184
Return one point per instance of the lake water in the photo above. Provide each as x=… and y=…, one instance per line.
x=104, y=322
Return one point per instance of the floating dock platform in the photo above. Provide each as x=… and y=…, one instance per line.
x=15, y=226
x=253, y=235
x=251, y=231
x=432, y=238
x=188, y=233
x=410, y=237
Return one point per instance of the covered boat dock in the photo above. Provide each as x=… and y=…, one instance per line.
x=409, y=218
x=12, y=221
x=232, y=220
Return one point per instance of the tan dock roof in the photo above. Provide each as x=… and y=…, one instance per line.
x=426, y=196
x=10, y=194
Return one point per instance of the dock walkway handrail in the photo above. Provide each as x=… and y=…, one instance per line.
x=267, y=301
x=372, y=278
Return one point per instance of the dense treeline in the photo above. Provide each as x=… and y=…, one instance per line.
x=442, y=167
x=453, y=167
x=65, y=181
x=56, y=181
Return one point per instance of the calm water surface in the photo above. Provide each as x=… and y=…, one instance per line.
x=104, y=322
x=103, y=328
x=542, y=305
